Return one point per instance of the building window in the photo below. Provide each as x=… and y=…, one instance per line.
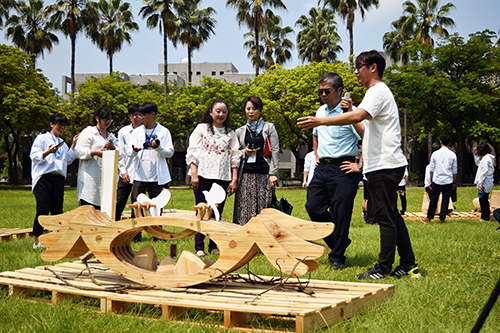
x=175, y=73
x=198, y=73
x=221, y=73
x=213, y=73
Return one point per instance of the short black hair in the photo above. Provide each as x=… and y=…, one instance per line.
x=148, y=107
x=103, y=113
x=483, y=149
x=133, y=108
x=333, y=78
x=369, y=58
x=445, y=139
x=58, y=118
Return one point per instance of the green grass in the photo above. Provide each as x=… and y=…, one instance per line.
x=460, y=259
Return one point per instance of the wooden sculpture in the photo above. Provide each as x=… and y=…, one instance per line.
x=286, y=241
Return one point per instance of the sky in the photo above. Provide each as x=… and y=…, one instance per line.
x=146, y=51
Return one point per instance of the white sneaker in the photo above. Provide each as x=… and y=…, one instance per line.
x=200, y=253
x=36, y=246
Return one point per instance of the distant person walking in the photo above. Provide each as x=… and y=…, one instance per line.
x=484, y=177
x=443, y=173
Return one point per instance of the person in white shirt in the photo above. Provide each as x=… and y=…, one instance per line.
x=92, y=142
x=213, y=157
x=150, y=146
x=427, y=180
x=126, y=164
x=383, y=163
x=50, y=157
x=402, y=192
x=443, y=172
x=309, y=166
x=484, y=177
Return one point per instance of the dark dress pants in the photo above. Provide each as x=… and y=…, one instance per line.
x=434, y=198
x=383, y=185
x=49, y=196
x=485, y=206
x=330, y=198
x=122, y=193
x=206, y=185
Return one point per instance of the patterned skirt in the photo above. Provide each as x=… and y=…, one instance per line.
x=253, y=195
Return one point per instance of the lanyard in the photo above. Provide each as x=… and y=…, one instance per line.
x=150, y=135
x=101, y=133
x=58, y=153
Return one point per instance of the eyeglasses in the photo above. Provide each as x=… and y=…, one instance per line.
x=62, y=124
x=109, y=120
x=359, y=66
x=326, y=91
x=136, y=115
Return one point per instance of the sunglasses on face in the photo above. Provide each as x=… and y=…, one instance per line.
x=326, y=91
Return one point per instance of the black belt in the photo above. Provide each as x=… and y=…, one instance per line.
x=329, y=160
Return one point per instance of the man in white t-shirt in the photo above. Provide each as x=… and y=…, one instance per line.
x=383, y=163
x=150, y=146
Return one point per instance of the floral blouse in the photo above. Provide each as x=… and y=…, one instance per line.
x=215, y=154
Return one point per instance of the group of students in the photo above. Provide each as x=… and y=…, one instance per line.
x=244, y=161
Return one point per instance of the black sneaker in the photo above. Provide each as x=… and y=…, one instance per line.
x=337, y=266
x=412, y=272
x=373, y=273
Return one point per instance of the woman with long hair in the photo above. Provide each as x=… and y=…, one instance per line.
x=484, y=177
x=213, y=157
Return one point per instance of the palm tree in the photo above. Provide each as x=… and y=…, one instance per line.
x=72, y=17
x=115, y=22
x=252, y=13
x=159, y=14
x=346, y=9
x=426, y=19
x=194, y=27
x=275, y=47
x=5, y=6
x=30, y=30
x=394, y=40
x=318, y=38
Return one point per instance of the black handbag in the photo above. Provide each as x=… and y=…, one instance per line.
x=282, y=205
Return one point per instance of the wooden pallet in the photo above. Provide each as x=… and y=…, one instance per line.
x=453, y=215
x=16, y=233
x=328, y=303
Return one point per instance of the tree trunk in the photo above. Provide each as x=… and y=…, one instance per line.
x=110, y=64
x=165, y=64
x=73, y=50
x=257, y=55
x=189, y=64
x=460, y=150
x=351, y=43
x=429, y=146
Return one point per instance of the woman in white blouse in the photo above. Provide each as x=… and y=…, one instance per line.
x=484, y=177
x=213, y=157
x=50, y=157
x=92, y=142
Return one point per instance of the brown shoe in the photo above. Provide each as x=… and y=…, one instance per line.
x=425, y=220
x=441, y=221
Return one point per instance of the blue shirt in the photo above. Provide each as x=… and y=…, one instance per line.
x=335, y=141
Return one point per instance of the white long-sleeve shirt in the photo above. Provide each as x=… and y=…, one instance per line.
x=125, y=163
x=90, y=167
x=52, y=163
x=485, y=171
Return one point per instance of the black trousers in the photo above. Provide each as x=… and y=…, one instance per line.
x=49, y=196
x=383, y=185
x=153, y=190
x=485, y=207
x=434, y=198
x=330, y=198
x=402, y=197
x=122, y=193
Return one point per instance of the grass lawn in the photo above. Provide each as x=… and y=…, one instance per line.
x=460, y=260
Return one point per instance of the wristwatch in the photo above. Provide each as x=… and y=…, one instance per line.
x=360, y=166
